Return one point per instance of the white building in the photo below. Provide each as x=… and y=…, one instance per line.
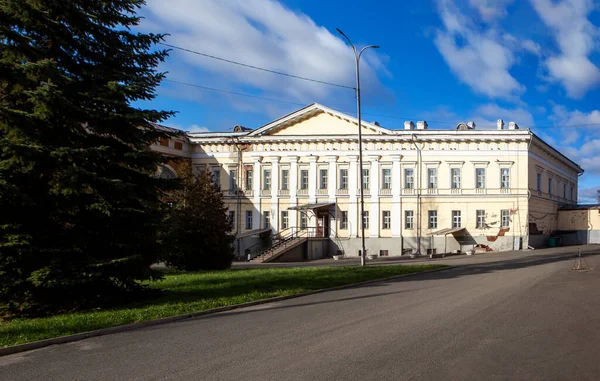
x=425, y=190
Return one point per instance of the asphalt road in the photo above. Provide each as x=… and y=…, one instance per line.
x=519, y=317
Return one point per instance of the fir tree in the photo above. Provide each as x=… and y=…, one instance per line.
x=198, y=234
x=79, y=207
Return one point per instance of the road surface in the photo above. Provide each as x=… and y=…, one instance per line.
x=525, y=316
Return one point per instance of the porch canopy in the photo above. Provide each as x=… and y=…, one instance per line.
x=320, y=205
x=447, y=231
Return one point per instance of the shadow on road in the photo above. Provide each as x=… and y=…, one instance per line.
x=454, y=272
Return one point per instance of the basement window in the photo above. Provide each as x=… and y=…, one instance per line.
x=383, y=253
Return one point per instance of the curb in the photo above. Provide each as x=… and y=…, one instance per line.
x=132, y=326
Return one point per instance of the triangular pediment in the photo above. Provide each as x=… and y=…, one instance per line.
x=315, y=120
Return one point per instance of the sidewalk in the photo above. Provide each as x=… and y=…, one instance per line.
x=453, y=259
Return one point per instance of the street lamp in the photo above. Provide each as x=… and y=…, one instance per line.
x=357, y=55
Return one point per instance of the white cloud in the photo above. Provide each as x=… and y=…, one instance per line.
x=576, y=37
x=491, y=9
x=197, y=128
x=589, y=195
x=263, y=33
x=532, y=47
x=487, y=115
x=480, y=59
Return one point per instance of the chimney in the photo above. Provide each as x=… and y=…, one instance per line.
x=421, y=125
x=500, y=124
x=513, y=126
x=376, y=123
x=408, y=125
x=471, y=125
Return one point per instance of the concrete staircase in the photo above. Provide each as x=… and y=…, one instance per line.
x=278, y=249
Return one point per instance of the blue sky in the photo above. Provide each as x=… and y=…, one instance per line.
x=535, y=62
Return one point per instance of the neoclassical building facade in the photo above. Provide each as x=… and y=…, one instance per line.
x=425, y=191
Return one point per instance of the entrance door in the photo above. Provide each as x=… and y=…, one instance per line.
x=322, y=224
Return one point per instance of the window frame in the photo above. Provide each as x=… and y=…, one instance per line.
x=304, y=179
x=432, y=174
x=344, y=220
x=386, y=220
x=366, y=219
x=456, y=219
x=480, y=224
x=504, y=183
x=285, y=179
x=323, y=178
x=505, y=213
x=266, y=219
x=249, y=179
x=249, y=220
x=455, y=184
x=432, y=219
x=386, y=178
x=266, y=183
x=285, y=219
x=480, y=183
x=366, y=178
x=343, y=178
x=407, y=184
x=409, y=219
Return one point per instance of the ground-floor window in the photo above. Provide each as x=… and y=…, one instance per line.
x=456, y=219
x=432, y=214
x=480, y=219
x=386, y=219
x=366, y=219
x=284, y=219
x=409, y=219
x=248, y=220
x=505, y=213
x=344, y=220
x=303, y=220
x=267, y=219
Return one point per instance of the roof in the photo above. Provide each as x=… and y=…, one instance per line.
x=581, y=207
x=316, y=107
x=447, y=231
x=311, y=206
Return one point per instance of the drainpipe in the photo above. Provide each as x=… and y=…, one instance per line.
x=418, y=183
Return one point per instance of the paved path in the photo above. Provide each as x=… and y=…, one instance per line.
x=522, y=318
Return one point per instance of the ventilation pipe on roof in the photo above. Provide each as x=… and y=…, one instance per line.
x=513, y=126
x=408, y=125
x=500, y=124
x=421, y=125
x=471, y=125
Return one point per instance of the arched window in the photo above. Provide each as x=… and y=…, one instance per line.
x=165, y=172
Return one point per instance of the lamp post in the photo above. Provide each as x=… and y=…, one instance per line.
x=357, y=55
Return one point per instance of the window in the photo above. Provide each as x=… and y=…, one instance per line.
x=164, y=142
x=344, y=220
x=455, y=176
x=232, y=218
x=572, y=199
x=480, y=178
x=304, y=179
x=285, y=179
x=343, y=178
x=178, y=146
x=267, y=219
x=565, y=191
x=386, y=175
x=303, y=220
x=505, y=214
x=216, y=176
x=432, y=219
x=365, y=178
x=505, y=178
x=539, y=182
x=233, y=179
x=480, y=219
x=386, y=219
x=456, y=219
x=249, y=178
x=322, y=179
x=409, y=219
x=285, y=219
x=248, y=219
x=267, y=179
x=432, y=177
x=409, y=178
x=549, y=187
x=366, y=219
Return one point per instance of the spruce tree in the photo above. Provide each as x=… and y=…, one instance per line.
x=198, y=233
x=79, y=206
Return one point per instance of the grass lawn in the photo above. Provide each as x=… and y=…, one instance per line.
x=186, y=292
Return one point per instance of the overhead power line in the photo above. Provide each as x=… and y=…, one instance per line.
x=257, y=67
x=350, y=112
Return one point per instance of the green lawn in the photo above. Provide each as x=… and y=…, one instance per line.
x=197, y=291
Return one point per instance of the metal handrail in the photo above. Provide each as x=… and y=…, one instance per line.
x=295, y=232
